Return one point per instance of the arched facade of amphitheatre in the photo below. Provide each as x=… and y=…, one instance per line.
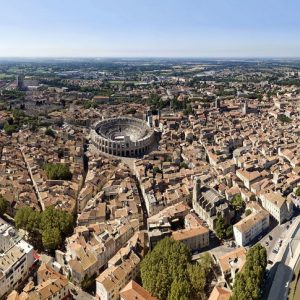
x=122, y=136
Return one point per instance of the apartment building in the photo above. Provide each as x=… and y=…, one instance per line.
x=50, y=286
x=16, y=258
x=279, y=207
x=194, y=238
x=248, y=177
x=90, y=248
x=114, y=279
x=250, y=227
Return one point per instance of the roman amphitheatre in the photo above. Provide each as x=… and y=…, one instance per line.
x=122, y=136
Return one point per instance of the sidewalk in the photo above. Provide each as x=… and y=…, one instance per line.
x=286, y=265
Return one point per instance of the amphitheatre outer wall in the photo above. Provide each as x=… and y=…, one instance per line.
x=122, y=136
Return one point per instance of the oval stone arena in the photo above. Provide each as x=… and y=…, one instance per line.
x=122, y=136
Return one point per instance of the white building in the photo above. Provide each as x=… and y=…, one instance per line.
x=16, y=258
x=280, y=208
x=250, y=227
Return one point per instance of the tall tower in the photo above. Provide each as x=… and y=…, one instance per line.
x=20, y=82
x=245, y=107
x=217, y=103
x=149, y=118
x=196, y=188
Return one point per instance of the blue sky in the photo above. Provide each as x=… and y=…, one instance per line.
x=141, y=28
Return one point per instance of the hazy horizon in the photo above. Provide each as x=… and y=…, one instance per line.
x=141, y=28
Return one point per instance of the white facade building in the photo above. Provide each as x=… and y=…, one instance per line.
x=280, y=208
x=250, y=227
x=16, y=258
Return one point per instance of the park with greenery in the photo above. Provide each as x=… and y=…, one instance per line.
x=57, y=171
x=47, y=229
x=167, y=272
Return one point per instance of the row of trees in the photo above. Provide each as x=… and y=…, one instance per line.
x=248, y=282
x=46, y=229
x=167, y=272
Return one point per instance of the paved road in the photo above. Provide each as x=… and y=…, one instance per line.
x=276, y=233
x=284, y=261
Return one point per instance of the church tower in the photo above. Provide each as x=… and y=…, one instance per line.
x=196, y=188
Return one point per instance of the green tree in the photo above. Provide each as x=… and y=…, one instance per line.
x=248, y=283
x=33, y=221
x=18, y=114
x=199, y=275
x=10, y=129
x=87, y=104
x=165, y=263
x=238, y=204
x=51, y=238
x=22, y=217
x=50, y=132
x=229, y=232
x=248, y=212
x=220, y=228
x=298, y=191
x=284, y=119
x=58, y=171
x=39, y=225
x=3, y=206
x=53, y=218
x=184, y=165
x=180, y=290
x=156, y=170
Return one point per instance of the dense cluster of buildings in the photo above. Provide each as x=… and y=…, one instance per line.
x=207, y=145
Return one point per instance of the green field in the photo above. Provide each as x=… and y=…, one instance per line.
x=3, y=76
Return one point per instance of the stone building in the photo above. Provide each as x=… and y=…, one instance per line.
x=250, y=227
x=209, y=204
x=280, y=208
x=123, y=136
